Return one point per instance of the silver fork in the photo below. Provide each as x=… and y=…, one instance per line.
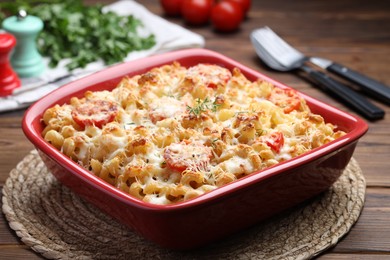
x=279, y=55
x=286, y=56
x=370, y=86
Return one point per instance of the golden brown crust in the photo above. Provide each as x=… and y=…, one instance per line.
x=180, y=132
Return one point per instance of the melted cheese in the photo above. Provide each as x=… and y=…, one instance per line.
x=180, y=132
x=238, y=165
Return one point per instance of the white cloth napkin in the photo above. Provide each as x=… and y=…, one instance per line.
x=168, y=37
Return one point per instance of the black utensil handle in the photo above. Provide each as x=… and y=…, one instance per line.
x=369, y=85
x=349, y=96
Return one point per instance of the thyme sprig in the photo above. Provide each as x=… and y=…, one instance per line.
x=203, y=106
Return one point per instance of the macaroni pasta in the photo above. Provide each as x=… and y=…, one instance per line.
x=175, y=133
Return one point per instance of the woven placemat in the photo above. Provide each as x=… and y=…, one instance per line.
x=56, y=223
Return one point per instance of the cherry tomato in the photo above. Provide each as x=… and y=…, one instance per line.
x=275, y=141
x=187, y=155
x=288, y=99
x=94, y=112
x=196, y=12
x=171, y=7
x=226, y=16
x=245, y=4
x=211, y=75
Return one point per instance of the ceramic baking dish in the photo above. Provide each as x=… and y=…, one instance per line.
x=222, y=211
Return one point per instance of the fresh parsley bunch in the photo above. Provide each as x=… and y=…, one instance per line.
x=84, y=33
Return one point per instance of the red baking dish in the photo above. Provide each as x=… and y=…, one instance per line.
x=222, y=211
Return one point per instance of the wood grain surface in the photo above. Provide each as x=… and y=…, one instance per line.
x=355, y=33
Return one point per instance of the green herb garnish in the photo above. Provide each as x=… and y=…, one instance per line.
x=82, y=33
x=213, y=142
x=203, y=106
x=259, y=132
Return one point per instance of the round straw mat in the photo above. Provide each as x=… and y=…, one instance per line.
x=58, y=224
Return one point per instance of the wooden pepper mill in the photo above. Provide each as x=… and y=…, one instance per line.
x=26, y=60
x=8, y=78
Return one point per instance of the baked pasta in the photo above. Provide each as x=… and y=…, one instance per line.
x=174, y=133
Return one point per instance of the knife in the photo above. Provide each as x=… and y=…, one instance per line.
x=61, y=79
x=372, y=87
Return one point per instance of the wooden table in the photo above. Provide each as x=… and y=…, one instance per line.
x=352, y=32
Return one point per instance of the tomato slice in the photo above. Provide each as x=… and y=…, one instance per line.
x=187, y=155
x=211, y=75
x=94, y=112
x=288, y=99
x=274, y=140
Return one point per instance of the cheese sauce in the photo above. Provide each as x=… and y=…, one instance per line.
x=174, y=133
